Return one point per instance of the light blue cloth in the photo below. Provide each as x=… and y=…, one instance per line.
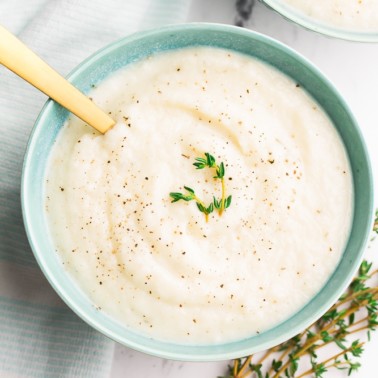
x=39, y=335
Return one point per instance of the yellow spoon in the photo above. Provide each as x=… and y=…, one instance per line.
x=26, y=64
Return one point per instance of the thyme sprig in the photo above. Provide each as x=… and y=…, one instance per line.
x=208, y=161
x=375, y=225
x=335, y=327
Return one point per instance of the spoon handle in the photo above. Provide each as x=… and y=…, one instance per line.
x=26, y=64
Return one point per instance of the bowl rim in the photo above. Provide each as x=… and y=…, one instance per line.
x=318, y=26
x=217, y=352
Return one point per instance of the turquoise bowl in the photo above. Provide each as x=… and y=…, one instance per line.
x=135, y=47
x=318, y=26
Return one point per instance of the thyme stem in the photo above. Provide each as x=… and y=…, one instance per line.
x=333, y=358
x=244, y=366
x=222, y=207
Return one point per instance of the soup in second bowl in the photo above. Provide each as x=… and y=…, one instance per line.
x=353, y=15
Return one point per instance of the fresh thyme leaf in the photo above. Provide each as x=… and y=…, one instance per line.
x=351, y=319
x=210, y=160
x=201, y=208
x=276, y=365
x=293, y=367
x=210, y=208
x=356, y=348
x=205, y=210
x=319, y=369
x=179, y=196
x=220, y=171
x=200, y=163
x=227, y=202
x=256, y=369
x=364, y=269
x=340, y=344
x=326, y=337
x=353, y=367
x=190, y=190
x=221, y=204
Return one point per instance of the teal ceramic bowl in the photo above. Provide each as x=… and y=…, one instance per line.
x=138, y=46
x=319, y=26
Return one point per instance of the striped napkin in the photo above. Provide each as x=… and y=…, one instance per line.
x=39, y=335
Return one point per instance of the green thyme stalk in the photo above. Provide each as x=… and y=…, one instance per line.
x=208, y=161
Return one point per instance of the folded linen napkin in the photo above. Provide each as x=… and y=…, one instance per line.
x=39, y=335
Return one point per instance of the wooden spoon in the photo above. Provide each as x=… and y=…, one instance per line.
x=26, y=64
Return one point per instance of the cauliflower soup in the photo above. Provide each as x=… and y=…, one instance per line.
x=160, y=267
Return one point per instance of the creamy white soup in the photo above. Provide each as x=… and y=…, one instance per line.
x=159, y=268
x=359, y=15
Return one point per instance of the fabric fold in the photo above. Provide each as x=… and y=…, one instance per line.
x=40, y=336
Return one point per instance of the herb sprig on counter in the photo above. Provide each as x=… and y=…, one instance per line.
x=355, y=311
x=375, y=225
x=208, y=161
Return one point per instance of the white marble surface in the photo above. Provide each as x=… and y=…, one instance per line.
x=353, y=69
